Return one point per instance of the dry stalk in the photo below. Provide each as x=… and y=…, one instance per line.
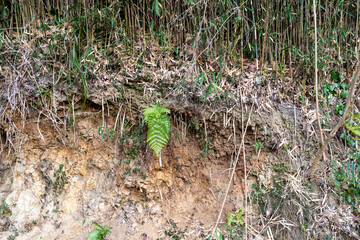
x=316, y=82
x=74, y=120
x=117, y=117
x=244, y=159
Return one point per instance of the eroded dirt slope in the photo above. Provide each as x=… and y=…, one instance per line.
x=114, y=179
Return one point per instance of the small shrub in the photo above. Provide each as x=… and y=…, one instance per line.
x=99, y=233
x=235, y=227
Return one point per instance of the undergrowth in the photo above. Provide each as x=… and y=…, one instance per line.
x=345, y=172
x=286, y=197
x=346, y=175
x=234, y=229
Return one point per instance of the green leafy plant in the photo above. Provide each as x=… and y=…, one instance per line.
x=258, y=145
x=339, y=109
x=99, y=233
x=353, y=124
x=346, y=180
x=235, y=225
x=218, y=235
x=158, y=127
x=332, y=89
x=348, y=139
x=13, y=237
x=60, y=180
x=285, y=148
x=346, y=177
x=235, y=217
x=4, y=209
x=107, y=132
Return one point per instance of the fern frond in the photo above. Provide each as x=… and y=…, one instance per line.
x=158, y=133
x=158, y=127
x=155, y=111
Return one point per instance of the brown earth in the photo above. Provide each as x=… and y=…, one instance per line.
x=187, y=191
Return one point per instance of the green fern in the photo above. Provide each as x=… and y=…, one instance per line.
x=158, y=127
x=354, y=124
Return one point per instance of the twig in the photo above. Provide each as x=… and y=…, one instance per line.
x=244, y=159
x=122, y=125
x=333, y=132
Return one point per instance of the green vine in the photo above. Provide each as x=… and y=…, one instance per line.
x=158, y=127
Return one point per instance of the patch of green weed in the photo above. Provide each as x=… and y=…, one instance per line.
x=4, y=209
x=60, y=179
x=99, y=233
x=346, y=177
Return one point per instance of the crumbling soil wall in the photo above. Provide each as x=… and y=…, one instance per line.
x=113, y=178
